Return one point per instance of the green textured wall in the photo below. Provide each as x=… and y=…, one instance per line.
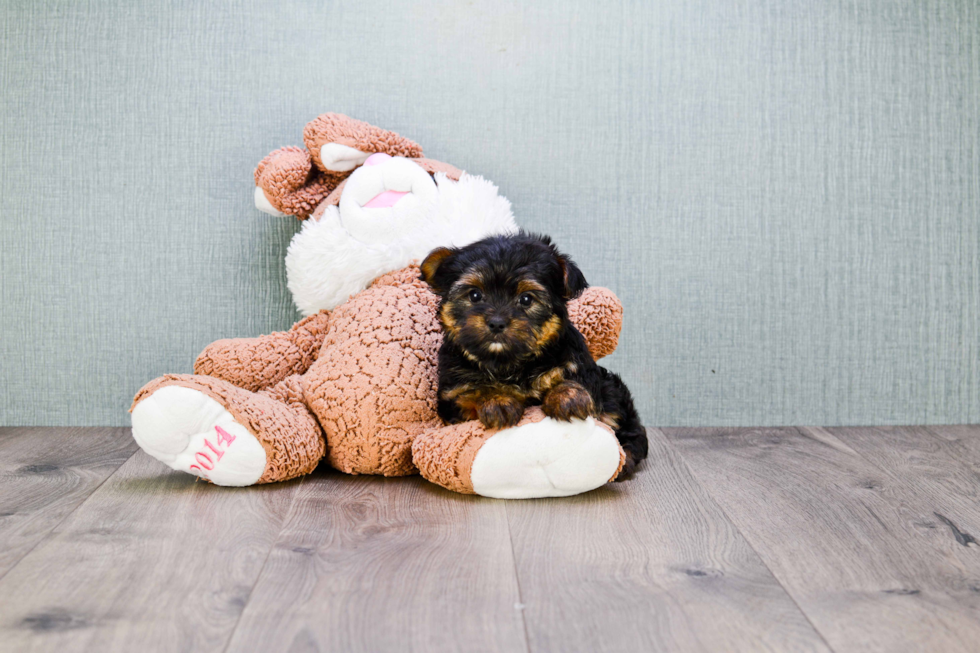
x=785, y=194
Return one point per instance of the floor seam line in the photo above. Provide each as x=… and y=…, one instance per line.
x=908, y=483
x=258, y=576
x=517, y=577
x=748, y=541
x=69, y=513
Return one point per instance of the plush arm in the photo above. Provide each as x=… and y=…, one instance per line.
x=257, y=363
x=598, y=314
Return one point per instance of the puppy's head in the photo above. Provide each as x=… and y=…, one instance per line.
x=503, y=298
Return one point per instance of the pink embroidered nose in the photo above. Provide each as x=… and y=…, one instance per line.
x=376, y=158
x=386, y=199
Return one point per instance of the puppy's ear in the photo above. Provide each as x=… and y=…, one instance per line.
x=575, y=281
x=430, y=268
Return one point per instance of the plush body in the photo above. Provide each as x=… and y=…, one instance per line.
x=355, y=381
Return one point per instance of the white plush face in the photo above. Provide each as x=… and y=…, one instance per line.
x=381, y=199
x=391, y=213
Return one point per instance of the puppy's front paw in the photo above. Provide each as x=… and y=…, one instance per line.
x=567, y=401
x=500, y=412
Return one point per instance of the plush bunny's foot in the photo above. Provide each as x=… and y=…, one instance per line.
x=189, y=431
x=547, y=459
x=540, y=457
x=228, y=435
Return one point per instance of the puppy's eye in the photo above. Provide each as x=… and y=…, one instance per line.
x=476, y=296
x=526, y=300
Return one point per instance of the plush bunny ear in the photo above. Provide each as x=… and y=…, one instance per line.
x=337, y=157
x=430, y=268
x=339, y=144
x=575, y=281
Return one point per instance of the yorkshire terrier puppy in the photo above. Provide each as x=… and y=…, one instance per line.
x=508, y=342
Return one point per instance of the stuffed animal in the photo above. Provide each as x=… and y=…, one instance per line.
x=355, y=380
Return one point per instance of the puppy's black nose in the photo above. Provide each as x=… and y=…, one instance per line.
x=496, y=324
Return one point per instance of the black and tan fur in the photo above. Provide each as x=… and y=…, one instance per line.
x=508, y=342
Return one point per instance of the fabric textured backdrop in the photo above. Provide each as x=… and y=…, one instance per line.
x=785, y=194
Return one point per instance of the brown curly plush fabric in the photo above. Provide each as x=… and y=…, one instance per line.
x=598, y=314
x=622, y=461
x=374, y=386
x=277, y=417
x=291, y=183
x=256, y=363
x=338, y=128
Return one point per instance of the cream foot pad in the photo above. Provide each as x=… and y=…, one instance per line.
x=549, y=458
x=191, y=432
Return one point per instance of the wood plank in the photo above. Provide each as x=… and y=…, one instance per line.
x=45, y=473
x=152, y=560
x=852, y=545
x=652, y=564
x=373, y=564
x=928, y=465
x=962, y=442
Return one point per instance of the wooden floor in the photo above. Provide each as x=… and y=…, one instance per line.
x=856, y=539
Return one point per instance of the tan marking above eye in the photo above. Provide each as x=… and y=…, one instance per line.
x=469, y=280
x=529, y=285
